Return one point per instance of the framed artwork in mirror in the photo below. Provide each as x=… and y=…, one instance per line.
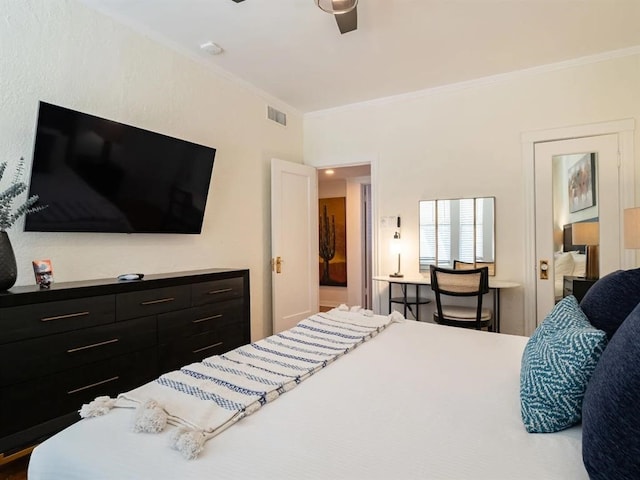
x=581, y=183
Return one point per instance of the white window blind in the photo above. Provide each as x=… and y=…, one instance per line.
x=468, y=247
x=479, y=231
x=428, y=239
x=444, y=234
x=465, y=237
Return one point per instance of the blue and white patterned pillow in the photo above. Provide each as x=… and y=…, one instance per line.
x=557, y=363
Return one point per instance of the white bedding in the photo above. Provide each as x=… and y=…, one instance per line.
x=571, y=264
x=418, y=401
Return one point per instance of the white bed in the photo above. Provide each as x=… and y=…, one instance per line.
x=417, y=401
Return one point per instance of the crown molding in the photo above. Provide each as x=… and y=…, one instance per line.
x=483, y=81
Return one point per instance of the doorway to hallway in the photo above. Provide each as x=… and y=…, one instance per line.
x=351, y=262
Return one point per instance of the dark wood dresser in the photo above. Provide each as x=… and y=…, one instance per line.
x=64, y=346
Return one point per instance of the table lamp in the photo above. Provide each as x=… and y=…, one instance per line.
x=588, y=234
x=396, y=248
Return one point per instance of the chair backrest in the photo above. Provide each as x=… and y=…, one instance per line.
x=460, y=265
x=473, y=282
x=467, y=282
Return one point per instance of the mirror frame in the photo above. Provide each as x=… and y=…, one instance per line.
x=423, y=267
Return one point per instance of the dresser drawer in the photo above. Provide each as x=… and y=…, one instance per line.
x=151, y=302
x=195, y=320
x=39, y=357
x=22, y=405
x=186, y=350
x=217, y=290
x=41, y=319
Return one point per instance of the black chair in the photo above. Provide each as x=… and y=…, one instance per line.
x=461, y=283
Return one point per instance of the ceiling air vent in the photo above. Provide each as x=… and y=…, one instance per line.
x=277, y=116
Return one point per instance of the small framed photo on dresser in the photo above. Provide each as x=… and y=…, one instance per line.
x=43, y=271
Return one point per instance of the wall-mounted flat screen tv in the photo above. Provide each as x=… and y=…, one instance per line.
x=97, y=175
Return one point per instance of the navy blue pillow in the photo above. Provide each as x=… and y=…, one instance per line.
x=609, y=301
x=611, y=408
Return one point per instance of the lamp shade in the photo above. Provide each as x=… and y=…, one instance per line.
x=396, y=244
x=585, y=233
x=632, y=227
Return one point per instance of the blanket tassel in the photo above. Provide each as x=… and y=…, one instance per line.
x=188, y=442
x=150, y=417
x=98, y=407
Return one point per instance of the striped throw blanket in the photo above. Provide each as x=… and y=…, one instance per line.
x=205, y=398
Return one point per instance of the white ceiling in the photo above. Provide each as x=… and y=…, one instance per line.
x=293, y=51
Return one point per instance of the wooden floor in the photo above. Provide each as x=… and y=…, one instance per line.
x=16, y=470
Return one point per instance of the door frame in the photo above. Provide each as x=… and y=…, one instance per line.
x=371, y=159
x=625, y=130
x=366, y=207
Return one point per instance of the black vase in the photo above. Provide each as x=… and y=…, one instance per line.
x=8, y=268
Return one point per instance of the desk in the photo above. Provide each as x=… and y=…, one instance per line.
x=405, y=299
x=494, y=284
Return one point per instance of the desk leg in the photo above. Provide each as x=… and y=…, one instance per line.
x=404, y=298
x=408, y=307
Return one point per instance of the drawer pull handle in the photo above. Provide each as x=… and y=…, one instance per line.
x=212, y=317
x=93, y=345
x=222, y=290
x=61, y=317
x=161, y=300
x=86, y=387
x=207, y=347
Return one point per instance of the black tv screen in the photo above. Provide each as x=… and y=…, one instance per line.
x=97, y=175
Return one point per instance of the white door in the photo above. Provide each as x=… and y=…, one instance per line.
x=607, y=208
x=294, y=243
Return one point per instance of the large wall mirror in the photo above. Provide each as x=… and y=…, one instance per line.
x=576, y=227
x=457, y=233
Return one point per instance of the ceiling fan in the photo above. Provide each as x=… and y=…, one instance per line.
x=344, y=11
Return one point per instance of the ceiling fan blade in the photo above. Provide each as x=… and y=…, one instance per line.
x=347, y=22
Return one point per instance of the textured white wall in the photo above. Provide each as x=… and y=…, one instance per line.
x=63, y=53
x=466, y=142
